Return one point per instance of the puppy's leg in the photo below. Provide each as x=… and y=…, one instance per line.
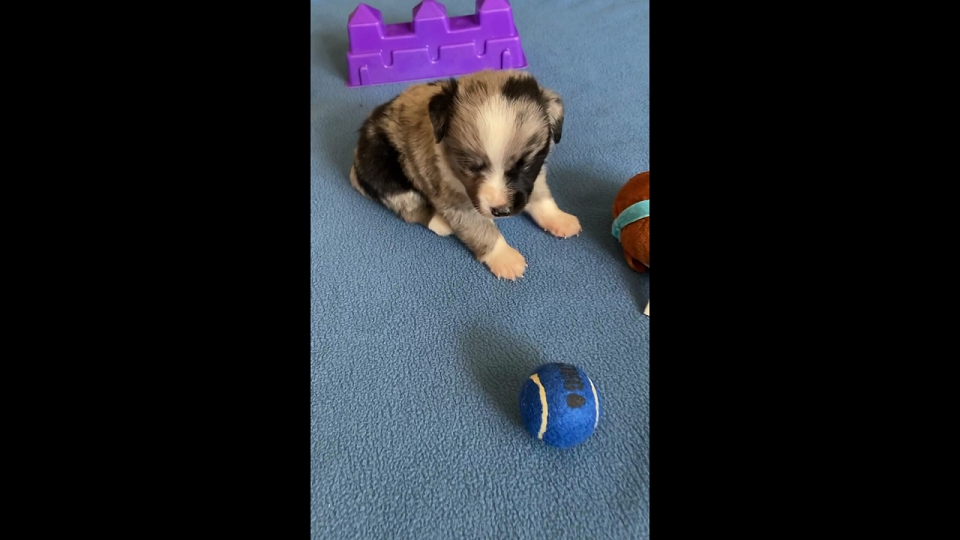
x=439, y=225
x=353, y=177
x=544, y=210
x=376, y=173
x=483, y=238
x=414, y=208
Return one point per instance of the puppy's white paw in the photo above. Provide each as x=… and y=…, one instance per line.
x=561, y=224
x=505, y=262
x=439, y=225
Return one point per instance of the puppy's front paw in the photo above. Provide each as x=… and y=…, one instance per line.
x=505, y=262
x=561, y=224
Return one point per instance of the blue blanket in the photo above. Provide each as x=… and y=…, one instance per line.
x=418, y=352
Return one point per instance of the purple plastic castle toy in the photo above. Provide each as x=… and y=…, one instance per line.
x=432, y=45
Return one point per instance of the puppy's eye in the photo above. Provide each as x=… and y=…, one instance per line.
x=522, y=163
x=476, y=168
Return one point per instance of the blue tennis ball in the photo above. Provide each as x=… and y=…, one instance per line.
x=560, y=405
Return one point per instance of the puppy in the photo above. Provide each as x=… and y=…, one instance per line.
x=453, y=155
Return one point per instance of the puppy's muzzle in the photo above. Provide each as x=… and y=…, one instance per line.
x=502, y=211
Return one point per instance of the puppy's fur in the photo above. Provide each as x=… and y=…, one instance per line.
x=454, y=154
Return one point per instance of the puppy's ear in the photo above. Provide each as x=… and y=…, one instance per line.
x=441, y=108
x=554, y=106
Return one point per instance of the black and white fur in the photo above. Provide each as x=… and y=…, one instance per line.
x=454, y=154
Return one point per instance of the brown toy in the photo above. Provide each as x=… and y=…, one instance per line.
x=635, y=236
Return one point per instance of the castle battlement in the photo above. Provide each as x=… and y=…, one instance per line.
x=432, y=45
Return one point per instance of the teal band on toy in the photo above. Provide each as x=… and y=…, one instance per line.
x=634, y=212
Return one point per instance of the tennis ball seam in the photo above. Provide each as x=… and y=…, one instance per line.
x=596, y=403
x=543, y=406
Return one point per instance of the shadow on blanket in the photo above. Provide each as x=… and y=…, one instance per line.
x=499, y=363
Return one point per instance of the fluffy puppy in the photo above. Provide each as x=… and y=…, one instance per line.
x=453, y=155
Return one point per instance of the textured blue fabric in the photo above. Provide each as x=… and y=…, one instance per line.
x=572, y=410
x=418, y=353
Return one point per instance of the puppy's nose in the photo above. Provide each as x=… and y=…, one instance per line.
x=501, y=211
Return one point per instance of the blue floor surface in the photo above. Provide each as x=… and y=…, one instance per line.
x=418, y=352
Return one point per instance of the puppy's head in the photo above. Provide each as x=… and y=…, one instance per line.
x=495, y=129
